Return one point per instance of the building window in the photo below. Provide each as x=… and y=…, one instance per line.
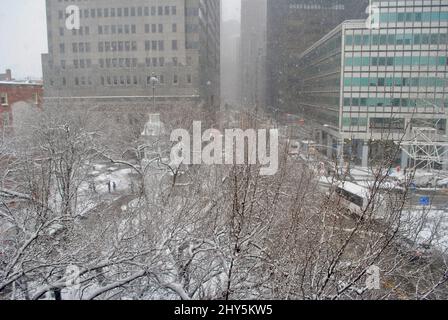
x=189, y=78
x=36, y=98
x=174, y=27
x=4, y=99
x=174, y=45
x=175, y=79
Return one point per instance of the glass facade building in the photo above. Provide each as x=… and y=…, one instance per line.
x=292, y=27
x=364, y=82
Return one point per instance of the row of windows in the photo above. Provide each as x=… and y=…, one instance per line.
x=160, y=45
x=118, y=63
x=395, y=81
x=395, y=102
x=78, y=47
x=124, y=80
x=354, y=122
x=119, y=46
x=124, y=12
x=396, y=61
x=386, y=123
x=123, y=62
x=80, y=64
x=316, y=6
x=397, y=39
x=154, y=28
x=118, y=29
x=4, y=98
x=375, y=123
x=414, y=16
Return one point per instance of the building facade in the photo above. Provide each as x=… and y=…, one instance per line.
x=292, y=27
x=230, y=63
x=120, y=45
x=253, y=52
x=362, y=84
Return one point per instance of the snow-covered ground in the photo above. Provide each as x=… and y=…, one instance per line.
x=427, y=227
x=100, y=180
x=100, y=177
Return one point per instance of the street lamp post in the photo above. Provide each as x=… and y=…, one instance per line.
x=154, y=81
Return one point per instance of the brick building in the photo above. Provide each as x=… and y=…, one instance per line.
x=16, y=99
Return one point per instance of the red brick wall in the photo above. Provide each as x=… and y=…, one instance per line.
x=17, y=93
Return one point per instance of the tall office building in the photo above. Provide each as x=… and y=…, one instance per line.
x=230, y=63
x=361, y=85
x=253, y=52
x=292, y=27
x=121, y=45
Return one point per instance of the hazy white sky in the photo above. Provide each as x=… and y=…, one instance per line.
x=231, y=9
x=23, y=33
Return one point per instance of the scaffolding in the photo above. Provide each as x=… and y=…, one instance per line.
x=426, y=148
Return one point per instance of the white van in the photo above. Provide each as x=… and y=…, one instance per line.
x=356, y=199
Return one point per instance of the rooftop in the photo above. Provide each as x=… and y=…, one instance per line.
x=21, y=83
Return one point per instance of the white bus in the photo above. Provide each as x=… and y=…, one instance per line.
x=356, y=198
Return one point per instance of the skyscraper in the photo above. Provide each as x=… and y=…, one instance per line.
x=292, y=27
x=121, y=45
x=363, y=87
x=253, y=52
x=230, y=62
